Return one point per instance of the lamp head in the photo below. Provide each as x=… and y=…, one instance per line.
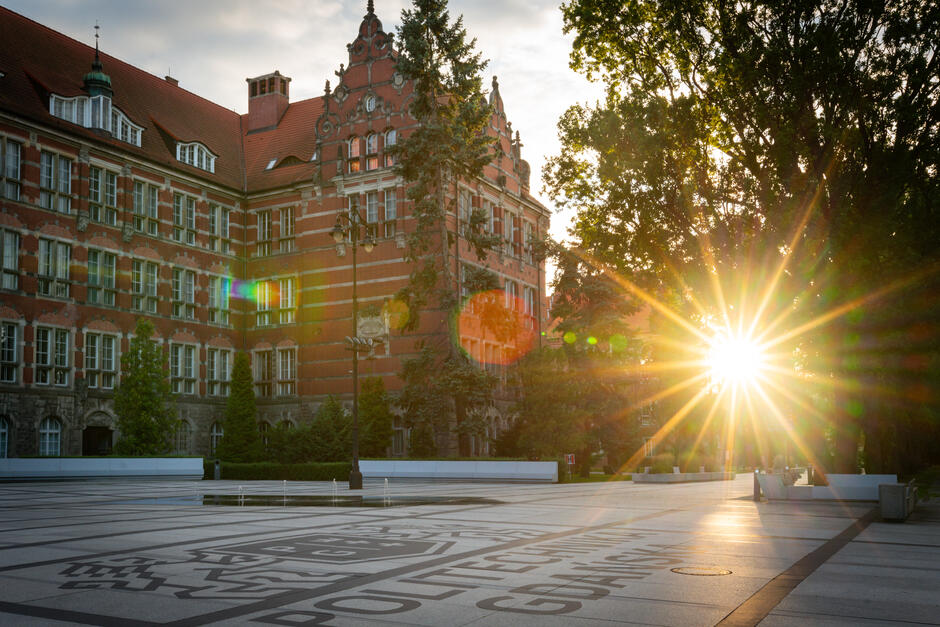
x=339, y=233
x=369, y=244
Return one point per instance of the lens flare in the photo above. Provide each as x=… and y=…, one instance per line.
x=735, y=360
x=493, y=328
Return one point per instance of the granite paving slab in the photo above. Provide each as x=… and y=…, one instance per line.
x=139, y=553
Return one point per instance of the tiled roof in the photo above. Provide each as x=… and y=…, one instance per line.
x=37, y=60
x=290, y=145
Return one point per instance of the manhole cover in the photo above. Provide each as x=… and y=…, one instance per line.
x=700, y=571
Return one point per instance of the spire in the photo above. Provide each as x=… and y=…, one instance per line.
x=370, y=8
x=97, y=82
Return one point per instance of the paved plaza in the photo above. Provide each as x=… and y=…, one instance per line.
x=148, y=553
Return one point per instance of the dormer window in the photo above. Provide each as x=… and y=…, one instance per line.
x=96, y=112
x=271, y=164
x=195, y=154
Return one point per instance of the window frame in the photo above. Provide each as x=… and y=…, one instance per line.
x=143, y=291
x=11, y=176
x=10, y=352
x=9, y=261
x=287, y=371
x=218, y=371
x=50, y=432
x=183, y=293
x=101, y=282
x=54, y=280
x=55, y=194
x=96, y=368
x=56, y=356
x=184, y=373
x=220, y=292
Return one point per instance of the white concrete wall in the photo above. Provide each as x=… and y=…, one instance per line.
x=480, y=471
x=100, y=467
x=681, y=477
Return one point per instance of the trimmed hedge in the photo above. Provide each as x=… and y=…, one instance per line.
x=314, y=471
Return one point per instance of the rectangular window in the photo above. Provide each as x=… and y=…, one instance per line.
x=190, y=221
x=528, y=237
x=372, y=207
x=144, y=285
x=145, y=208
x=153, y=217
x=9, y=259
x=110, y=199
x=220, y=289
x=391, y=138
x=10, y=164
x=101, y=272
x=55, y=182
x=264, y=234
x=490, y=217
x=263, y=303
x=178, y=210
x=183, y=368
x=184, y=293
x=9, y=360
x=512, y=294
x=286, y=311
x=218, y=228
x=264, y=373
x=52, y=356
x=54, y=268
x=286, y=371
x=287, y=229
x=217, y=371
x=391, y=211
x=95, y=200
x=463, y=210
x=100, y=370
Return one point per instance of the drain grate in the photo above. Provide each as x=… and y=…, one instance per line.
x=701, y=571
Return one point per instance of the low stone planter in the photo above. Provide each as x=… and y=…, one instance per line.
x=840, y=488
x=60, y=468
x=682, y=477
x=462, y=470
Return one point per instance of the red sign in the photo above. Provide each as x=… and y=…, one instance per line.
x=569, y=459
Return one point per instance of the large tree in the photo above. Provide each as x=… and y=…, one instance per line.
x=739, y=139
x=448, y=144
x=241, y=441
x=143, y=402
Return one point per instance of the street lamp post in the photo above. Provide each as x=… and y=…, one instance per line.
x=354, y=222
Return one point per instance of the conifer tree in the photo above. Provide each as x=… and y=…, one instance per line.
x=375, y=418
x=449, y=144
x=241, y=441
x=145, y=407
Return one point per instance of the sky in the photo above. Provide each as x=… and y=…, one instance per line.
x=212, y=46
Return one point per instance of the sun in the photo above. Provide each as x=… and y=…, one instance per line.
x=734, y=360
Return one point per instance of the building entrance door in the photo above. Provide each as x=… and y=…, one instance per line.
x=96, y=441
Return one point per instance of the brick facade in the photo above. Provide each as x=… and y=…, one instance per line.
x=80, y=255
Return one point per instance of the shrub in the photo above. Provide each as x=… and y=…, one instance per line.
x=324, y=471
x=663, y=463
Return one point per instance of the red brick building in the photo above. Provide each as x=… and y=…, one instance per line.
x=124, y=195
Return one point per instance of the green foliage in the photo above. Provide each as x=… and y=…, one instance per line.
x=437, y=389
x=241, y=442
x=326, y=438
x=375, y=418
x=268, y=471
x=736, y=138
x=663, y=463
x=573, y=401
x=145, y=407
x=331, y=431
x=421, y=444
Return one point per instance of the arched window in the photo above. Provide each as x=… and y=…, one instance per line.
x=352, y=152
x=263, y=428
x=215, y=436
x=391, y=138
x=372, y=151
x=50, y=435
x=182, y=438
x=4, y=436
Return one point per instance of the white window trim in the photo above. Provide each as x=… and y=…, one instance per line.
x=197, y=155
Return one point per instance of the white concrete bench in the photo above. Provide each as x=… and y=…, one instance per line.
x=459, y=470
x=852, y=487
x=57, y=468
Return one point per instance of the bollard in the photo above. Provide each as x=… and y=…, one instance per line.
x=218, y=470
x=756, y=486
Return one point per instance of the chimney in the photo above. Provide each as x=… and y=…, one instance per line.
x=268, y=97
x=171, y=80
